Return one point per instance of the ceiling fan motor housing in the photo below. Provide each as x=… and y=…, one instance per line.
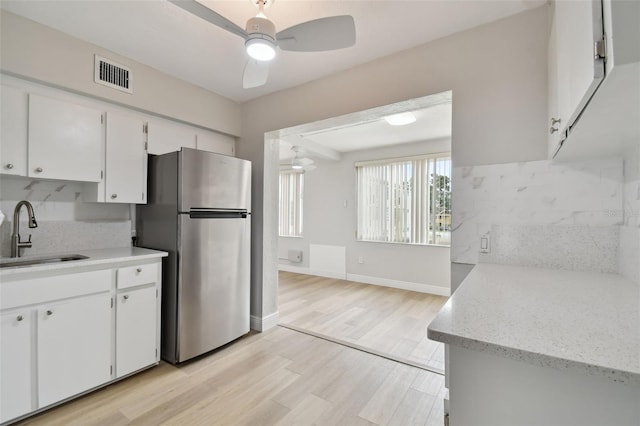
x=259, y=27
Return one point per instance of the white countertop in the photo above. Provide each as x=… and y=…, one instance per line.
x=95, y=257
x=581, y=321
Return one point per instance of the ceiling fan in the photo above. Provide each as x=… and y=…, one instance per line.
x=297, y=163
x=261, y=39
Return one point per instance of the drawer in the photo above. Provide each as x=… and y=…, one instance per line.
x=46, y=289
x=132, y=276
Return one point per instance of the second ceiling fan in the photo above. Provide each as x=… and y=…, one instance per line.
x=261, y=39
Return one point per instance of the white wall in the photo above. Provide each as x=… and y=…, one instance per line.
x=498, y=76
x=33, y=51
x=327, y=221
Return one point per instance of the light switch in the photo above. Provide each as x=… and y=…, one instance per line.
x=485, y=244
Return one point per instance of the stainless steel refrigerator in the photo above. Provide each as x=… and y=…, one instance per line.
x=199, y=210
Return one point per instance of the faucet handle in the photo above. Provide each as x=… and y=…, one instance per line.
x=29, y=240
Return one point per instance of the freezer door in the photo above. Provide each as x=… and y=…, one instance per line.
x=209, y=180
x=213, y=306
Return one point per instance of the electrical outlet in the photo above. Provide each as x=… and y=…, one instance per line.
x=360, y=259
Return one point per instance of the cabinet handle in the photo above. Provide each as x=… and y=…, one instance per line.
x=138, y=270
x=38, y=169
x=9, y=166
x=19, y=317
x=555, y=121
x=49, y=312
x=125, y=297
x=552, y=130
x=114, y=196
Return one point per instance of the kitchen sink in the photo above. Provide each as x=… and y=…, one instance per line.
x=17, y=262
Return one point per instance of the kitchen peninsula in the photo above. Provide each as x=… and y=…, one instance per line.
x=532, y=346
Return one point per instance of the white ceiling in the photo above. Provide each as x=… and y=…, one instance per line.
x=368, y=129
x=431, y=123
x=167, y=38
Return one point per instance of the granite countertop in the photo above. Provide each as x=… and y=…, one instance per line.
x=94, y=257
x=568, y=320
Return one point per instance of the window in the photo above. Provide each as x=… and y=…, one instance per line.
x=291, y=189
x=405, y=200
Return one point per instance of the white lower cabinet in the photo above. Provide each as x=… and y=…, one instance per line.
x=68, y=333
x=136, y=326
x=74, y=347
x=15, y=356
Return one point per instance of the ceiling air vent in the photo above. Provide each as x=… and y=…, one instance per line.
x=111, y=74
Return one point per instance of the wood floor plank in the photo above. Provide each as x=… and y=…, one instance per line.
x=385, y=320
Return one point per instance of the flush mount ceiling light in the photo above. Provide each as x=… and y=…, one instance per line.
x=401, y=119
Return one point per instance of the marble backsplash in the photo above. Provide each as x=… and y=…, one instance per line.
x=67, y=236
x=629, y=256
x=539, y=213
x=65, y=222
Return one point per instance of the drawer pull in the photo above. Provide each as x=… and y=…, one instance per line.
x=125, y=297
x=19, y=317
x=39, y=170
x=49, y=312
x=10, y=166
x=138, y=270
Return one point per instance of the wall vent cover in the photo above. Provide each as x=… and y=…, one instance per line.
x=112, y=74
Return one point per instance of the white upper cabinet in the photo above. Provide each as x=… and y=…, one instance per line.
x=601, y=116
x=215, y=142
x=126, y=160
x=66, y=140
x=575, y=68
x=13, y=131
x=165, y=136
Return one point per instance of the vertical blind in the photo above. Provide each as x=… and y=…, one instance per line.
x=291, y=189
x=405, y=200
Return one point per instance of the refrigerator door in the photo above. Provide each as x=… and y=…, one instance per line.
x=214, y=286
x=209, y=180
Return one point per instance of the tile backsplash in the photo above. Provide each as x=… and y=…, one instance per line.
x=65, y=222
x=539, y=213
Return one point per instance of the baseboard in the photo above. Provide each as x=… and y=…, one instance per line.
x=316, y=272
x=403, y=285
x=365, y=279
x=264, y=323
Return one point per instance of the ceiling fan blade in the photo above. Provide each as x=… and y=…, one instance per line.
x=209, y=15
x=255, y=74
x=334, y=32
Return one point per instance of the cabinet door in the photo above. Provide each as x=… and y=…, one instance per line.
x=65, y=140
x=169, y=137
x=126, y=160
x=578, y=26
x=74, y=347
x=136, y=330
x=15, y=369
x=13, y=131
x=215, y=142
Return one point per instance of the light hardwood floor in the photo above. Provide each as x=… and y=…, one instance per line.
x=384, y=320
x=280, y=377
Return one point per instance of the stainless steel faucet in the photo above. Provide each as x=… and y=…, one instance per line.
x=16, y=244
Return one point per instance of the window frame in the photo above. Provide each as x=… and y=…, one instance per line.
x=445, y=155
x=299, y=204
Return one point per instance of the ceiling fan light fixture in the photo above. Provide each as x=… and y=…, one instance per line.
x=260, y=49
x=401, y=119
